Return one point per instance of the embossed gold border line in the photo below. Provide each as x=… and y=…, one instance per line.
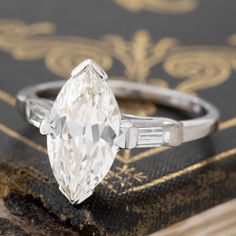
x=28, y=142
x=217, y=157
x=223, y=125
x=227, y=124
x=4, y=96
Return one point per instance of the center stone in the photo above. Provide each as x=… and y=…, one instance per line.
x=85, y=119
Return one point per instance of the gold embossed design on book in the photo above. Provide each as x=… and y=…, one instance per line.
x=162, y=6
x=195, y=67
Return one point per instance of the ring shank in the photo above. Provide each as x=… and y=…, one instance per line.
x=151, y=131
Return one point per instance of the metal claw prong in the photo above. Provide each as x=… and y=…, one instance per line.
x=89, y=63
x=128, y=137
x=45, y=127
x=120, y=140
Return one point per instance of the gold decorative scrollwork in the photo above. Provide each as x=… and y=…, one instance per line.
x=194, y=67
x=139, y=55
x=198, y=67
x=163, y=6
x=62, y=60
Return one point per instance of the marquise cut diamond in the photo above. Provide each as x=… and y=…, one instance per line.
x=85, y=119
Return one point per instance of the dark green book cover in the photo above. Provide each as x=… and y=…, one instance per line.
x=187, y=45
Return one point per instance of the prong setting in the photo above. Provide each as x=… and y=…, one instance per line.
x=81, y=128
x=85, y=120
x=45, y=127
x=89, y=63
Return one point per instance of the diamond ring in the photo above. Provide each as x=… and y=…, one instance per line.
x=85, y=128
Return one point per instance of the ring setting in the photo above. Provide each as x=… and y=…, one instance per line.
x=85, y=128
x=83, y=124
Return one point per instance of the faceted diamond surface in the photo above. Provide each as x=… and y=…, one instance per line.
x=86, y=119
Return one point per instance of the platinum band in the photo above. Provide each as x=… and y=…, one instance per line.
x=34, y=103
